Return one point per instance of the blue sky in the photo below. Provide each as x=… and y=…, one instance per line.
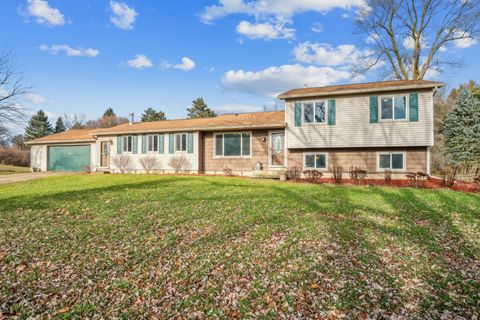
x=85, y=56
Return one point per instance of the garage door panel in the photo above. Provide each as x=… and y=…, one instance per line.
x=68, y=158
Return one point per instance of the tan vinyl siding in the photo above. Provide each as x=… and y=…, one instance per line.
x=353, y=127
x=364, y=158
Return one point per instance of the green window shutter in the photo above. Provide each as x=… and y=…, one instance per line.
x=144, y=144
x=135, y=144
x=170, y=143
x=413, y=107
x=161, y=143
x=332, y=112
x=119, y=144
x=298, y=114
x=190, y=142
x=373, y=109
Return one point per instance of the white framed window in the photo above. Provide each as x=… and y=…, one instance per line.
x=395, y=161
x=233, y=144
x=127, y=144
x=180, y=142
x=393, y=107
x=315, y=160
x=314, y=111
x=152, y=143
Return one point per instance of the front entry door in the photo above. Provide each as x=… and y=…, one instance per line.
x=104, y=154
x=277, y=149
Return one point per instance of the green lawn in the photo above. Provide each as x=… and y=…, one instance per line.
x=6, y=169
x=164, y=246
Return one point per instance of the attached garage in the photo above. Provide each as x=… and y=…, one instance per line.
x=68, y=158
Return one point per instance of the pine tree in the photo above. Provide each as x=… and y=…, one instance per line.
x=199, y=109
x=151, y=115
x=38, y=126
x=59, y=126
x=109, y=113
x=462, y=130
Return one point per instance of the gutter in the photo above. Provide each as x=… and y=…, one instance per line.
x=58, y=142
x=286, y=96
x=208, y=129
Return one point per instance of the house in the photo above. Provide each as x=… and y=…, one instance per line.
x=373, y=126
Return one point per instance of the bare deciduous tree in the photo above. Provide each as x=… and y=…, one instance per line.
x=408, y=37
x=149, y=163
x=121, y=162
x=74, y=120
x=12, y=89
x=179, y=163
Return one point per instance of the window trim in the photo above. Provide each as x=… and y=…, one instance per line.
x=175, y=142
x=404, y=153
x=305, y=154
x=407, y=107
x=325, y=103
x=152, y=136
x=223, y=144
x=126, y=144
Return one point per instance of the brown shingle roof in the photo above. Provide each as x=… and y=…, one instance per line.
x=81, y=135
x=228, y=121
x=360, y=88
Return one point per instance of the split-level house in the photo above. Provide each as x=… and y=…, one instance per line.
x=372, y=126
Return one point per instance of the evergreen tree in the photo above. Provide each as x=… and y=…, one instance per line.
x=109, y=113
x=38, y=126
x=462, y=130
x=199, y=109
x=151, y=115
x=59, y=126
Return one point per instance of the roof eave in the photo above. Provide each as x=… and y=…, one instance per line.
x=285, y=96
x=59, y=141
x=273, y=126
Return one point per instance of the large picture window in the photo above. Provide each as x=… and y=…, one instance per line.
x=127, y=143
x=232, y=144
x=314, y=112
x=181, y=142
x=315, y=161
x=391, y=161
x=152, y=143
x=394, y=108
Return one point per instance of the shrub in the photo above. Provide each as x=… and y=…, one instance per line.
x=14, y=157
x=293, y=173
x=121, y=162
x=312, y=176
x=228, y=172
x=179, y=163
x=358, y=175
x=149, y=163
x=449, y=175
x=337, y=172
x=387, y=176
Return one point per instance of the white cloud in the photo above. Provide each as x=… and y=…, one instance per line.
x=324, y=54
x=265, y=30
x=237, y=108
x=274, y=80
x=466, y=42
x=122, y=16
x=317, y=27
x=187, y=64
x=140, y=62
x=36, y=98
x=69, y=51
x=45, y=14
x=280, y=9
x=409, y=43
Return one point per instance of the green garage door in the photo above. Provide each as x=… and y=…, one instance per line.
x=68, y=158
